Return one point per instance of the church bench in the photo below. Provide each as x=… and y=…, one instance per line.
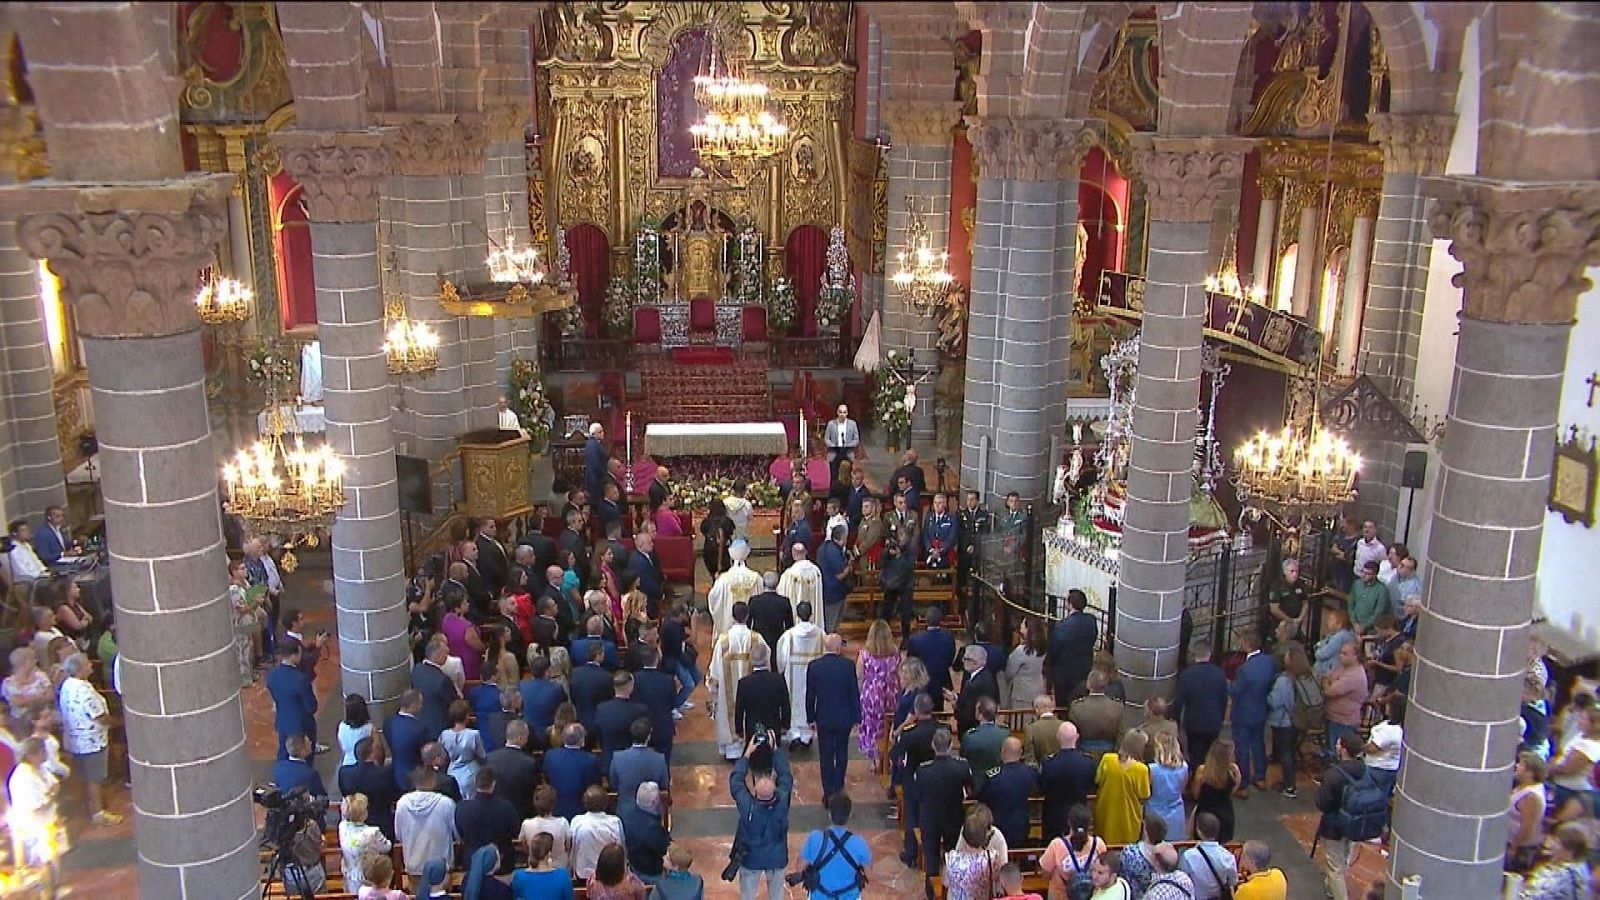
x=1034, y=879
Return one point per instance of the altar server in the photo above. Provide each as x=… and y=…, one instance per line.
x=796, y=649
x=730, y=661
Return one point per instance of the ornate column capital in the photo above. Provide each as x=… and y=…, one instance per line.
x=1523, y=247
x=1416, y=143
x=340, y=173
x=128, y=255
x=922, y=123
x=506, y=118
x=1187, y=175
x=434, y=144
x=1026, y=149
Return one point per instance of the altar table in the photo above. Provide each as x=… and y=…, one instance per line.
x=306, y=419
x=663, y=439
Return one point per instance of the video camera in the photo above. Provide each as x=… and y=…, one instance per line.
x=288, y=813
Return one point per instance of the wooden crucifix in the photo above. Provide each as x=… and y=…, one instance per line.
x=1593, y=383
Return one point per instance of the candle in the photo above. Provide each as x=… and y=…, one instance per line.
x=802, y=435
x=629, y=441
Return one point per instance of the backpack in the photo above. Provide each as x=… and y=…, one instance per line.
x=1080, y=884
x=1363, y=808
x=1307, y=713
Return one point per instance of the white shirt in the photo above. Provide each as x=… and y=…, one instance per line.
x=845, y=435
x=1369, y=551
x=1205, y=885
x=1386, y=736
x=591, y=832
x=81, y=706
x=25, y=564
x=560, y=836
x=354, y=843
x=1589, y=748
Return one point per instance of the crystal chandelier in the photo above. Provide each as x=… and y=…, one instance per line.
x=223, y=301
x=1226, y=280
x=511, y=264
x=1305, y=472
x=920, y=273
x=275, y=487
x=737, y=130
x=412, y=348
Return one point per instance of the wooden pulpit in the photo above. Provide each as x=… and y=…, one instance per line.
x=494, y=467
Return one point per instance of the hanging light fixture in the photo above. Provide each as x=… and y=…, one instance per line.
x=223, y=301
x=1226, y=280
x=278, y=488
x=514, y=265
x=411, y=348
x=1298, y=471
x=921, y=274
x=737, y=130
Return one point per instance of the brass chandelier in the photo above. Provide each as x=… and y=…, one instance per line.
x=921, y=274
x=410, y=348
x=1226, y=280
x=284, y=487
x=737, y=130
x=223, y=301
x=1298, y=471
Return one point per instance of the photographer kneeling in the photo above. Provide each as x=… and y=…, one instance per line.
x=761, y=844
x=836, y=860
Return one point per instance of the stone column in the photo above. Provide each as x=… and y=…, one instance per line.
x=341, y=176
x=1185, y=177
x=1355, y=294
x=1523, y=248
x=30, y=454
x=1266, y=258
x=919, y=183
x=127, y=255
x=505, y=191
x=1020, y=324
x=1414, y=145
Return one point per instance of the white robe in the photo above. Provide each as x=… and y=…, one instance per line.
x=796, y=649
x=730, y=661
x=739, y=511
x=802, y=581
x=736, y=584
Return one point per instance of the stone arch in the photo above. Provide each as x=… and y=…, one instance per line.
x=322, y=43
x=1406, y=52
x=412, y=49
x=1099, y=32
x=1050, y=56
x=1200, y=44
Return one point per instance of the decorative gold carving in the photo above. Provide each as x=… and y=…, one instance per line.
x=1126, y=86
x=435, y=144
x=719, y=18
x=72, y=419
x=127, y=255
x=922, y=123
x=1523, y=247
x=261, y=84
x=1187, y=176
x=506, y=119
x=1418, y=143
x=1030, y=149
x=341, y=174
x=503, y=301
x=22, y=155
x=495, y=476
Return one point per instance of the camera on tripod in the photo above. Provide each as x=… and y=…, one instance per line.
x=287, y=813
x=293, y=831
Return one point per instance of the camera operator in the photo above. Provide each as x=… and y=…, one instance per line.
x=761, y=844
x=836, y=860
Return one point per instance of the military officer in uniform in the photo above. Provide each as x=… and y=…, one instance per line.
x=936, y=791
x=1006, y=789
x=1012, y=524
x=975, y=522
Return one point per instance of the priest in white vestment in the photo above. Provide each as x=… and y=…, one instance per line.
x=738, y=584
x=730, y=661
x=740, y=509
x=801, y=581
x=796, y=649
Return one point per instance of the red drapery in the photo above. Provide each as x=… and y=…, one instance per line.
x=297, y=286
x=591, y=264
x=805, y=258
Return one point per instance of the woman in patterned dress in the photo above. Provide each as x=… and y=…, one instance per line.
x=878, y=672
x=248, y=617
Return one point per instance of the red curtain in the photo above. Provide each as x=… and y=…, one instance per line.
x=591, y=267
x=805, y=258
x=297, y=286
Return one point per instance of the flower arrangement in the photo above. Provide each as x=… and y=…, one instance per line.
x=272, y=368
x=646, y=264
x=747, y=281
x=838, y=285
x=894, y=396
x=616, y=315
x=529, y=402
x=563, y=257
x=781, y=307
x=569, y=321
x=696, y=493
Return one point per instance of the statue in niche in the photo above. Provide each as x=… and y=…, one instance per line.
x=952, y=322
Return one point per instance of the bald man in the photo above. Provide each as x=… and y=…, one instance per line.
x=1067, y=779
x=833, y=707
x=1006, y=789
x=802, y=581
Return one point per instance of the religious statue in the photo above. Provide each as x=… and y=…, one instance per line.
x=953, y=322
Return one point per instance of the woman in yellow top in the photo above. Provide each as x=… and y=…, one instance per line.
x=1122, y=785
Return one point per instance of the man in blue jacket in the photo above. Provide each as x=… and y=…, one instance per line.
x=937, y=650
x=833, y=560
x=1251, y=684
x=405, y=734
x=833, y=706
x=761, y=843
x=293, y=700
x=295, y=771
x=1200, y=702
x=571, y=770
x=841, y=858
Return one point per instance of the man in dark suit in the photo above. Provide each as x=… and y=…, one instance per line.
x=658, y=691
x=770, y=612
x=979, y=682
x=487, y=818
x=294, y=702
x=614, y=718
x=295, y=771
x=1199, y=702
x=310, y=646
x=570, y=770
x=594, y=636
x=543, y=549
x=936, y=790
x=937, y=650
x=636, y=764
x=1066, y=779
x=405, y=734
x=646, y=566
x=540, y=697
x=438, y=691
x=545, y=627
x=608, y=509
x=595, y=459
x=1251, y=684
x=590, y=685
x=1006, y=789
x=1071, y=652
x=516, y=772
x=572, y=540
x=550, y=589
x=912, y=472
x=659, y=490
x=833, y=706
x=50, y=538
x=374, y=780
x=479, y=592
x=761, y=699
x=493, y=563
x=493, y=726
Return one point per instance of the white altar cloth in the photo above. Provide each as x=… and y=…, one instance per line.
x=305, y=419
x=715, y=439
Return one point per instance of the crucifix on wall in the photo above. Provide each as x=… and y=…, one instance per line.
x=1593, y=383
